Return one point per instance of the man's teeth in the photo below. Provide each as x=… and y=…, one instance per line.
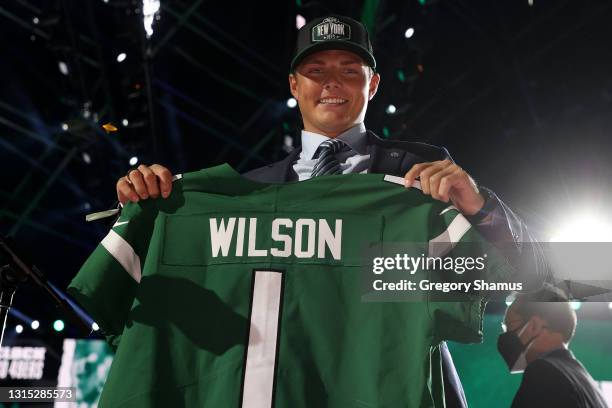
x=338, y=101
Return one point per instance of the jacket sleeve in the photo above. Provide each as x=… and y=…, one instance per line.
x=506, y=230
x=500, y=226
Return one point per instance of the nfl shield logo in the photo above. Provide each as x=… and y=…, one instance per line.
x=331, y=28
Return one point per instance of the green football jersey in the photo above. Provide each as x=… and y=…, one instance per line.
x=234, y=293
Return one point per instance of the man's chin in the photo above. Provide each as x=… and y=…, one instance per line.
x=334, y=128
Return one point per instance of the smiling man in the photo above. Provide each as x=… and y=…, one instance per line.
x=333, y=77
x=332, y=88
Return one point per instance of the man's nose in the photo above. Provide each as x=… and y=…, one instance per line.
x=332, y=81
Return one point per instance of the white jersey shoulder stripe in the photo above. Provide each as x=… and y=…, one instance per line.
x=400, y=181
x=123, y=252
x=449, y=208
x=446, y=241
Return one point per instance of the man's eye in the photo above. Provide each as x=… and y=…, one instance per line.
x=350, y=71
x=315, y=70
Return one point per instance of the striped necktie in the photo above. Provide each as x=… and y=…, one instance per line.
x=327, y=162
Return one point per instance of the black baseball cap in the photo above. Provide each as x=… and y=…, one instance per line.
x=333, y=32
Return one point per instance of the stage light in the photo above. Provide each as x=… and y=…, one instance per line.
x=287, y=143
x=530, y=2
x=409, y=32
x=391, y=109
x=86, y=157
x=121, y=57
x=64, y=126
x=400, y=75
x=291, y=103
x=584, y=228
x=300, y=21
x=95, y=327
x=58, y=325
x=125, y=122
x=575, y=305
x=149, y=9
x=35, y=324
x=133, y=160
x=63, y=67
x=35, y=20
x=19, y=328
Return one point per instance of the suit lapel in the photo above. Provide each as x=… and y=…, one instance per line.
x=286, y=166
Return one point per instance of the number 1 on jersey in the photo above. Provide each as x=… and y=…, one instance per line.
x=262, y=347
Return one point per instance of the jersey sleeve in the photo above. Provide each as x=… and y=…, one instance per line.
x=106, y=284
x=459, y=316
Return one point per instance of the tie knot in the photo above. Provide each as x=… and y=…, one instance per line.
x=332, y=146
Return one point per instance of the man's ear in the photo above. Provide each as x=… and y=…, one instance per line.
x=536, y=325
x=373, y=86
x=293, y=85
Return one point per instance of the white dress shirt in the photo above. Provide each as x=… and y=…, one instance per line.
x=354, y=159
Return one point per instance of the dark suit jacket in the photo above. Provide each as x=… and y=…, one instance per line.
x=557, y=380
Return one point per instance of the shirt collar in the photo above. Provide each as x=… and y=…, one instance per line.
x=354, y=137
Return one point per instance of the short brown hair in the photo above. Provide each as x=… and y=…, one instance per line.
x=552, y=305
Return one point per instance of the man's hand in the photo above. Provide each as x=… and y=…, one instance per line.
x=444, y=181
x=144, y=182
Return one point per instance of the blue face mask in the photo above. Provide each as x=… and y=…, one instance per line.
x=512, y=350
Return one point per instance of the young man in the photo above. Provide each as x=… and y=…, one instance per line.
x=333, y=77
x=538, y=329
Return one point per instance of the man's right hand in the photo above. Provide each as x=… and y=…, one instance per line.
x=144, y=182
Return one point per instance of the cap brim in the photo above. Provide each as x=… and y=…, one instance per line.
x=334, y=45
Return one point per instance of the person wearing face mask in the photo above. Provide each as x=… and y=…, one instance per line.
x=538, y=328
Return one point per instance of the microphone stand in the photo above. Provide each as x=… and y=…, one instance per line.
x=17, y=271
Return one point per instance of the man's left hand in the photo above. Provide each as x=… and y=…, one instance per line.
x=445, y=181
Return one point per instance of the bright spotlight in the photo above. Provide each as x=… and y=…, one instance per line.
x=133, y=160
x=86, y=158
x=63, y=67
x=35, y=20
x=300, y=21
x=95, y=327
x=58, y=325
x=291, y=103
x=19, y=328
x=391, y=109
x=584, y=228
x=35, y=324
x=64, y=126
x=121, y=57
x=149, y=10
x=575, y=305
x=125, y=122
x=409, y=32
